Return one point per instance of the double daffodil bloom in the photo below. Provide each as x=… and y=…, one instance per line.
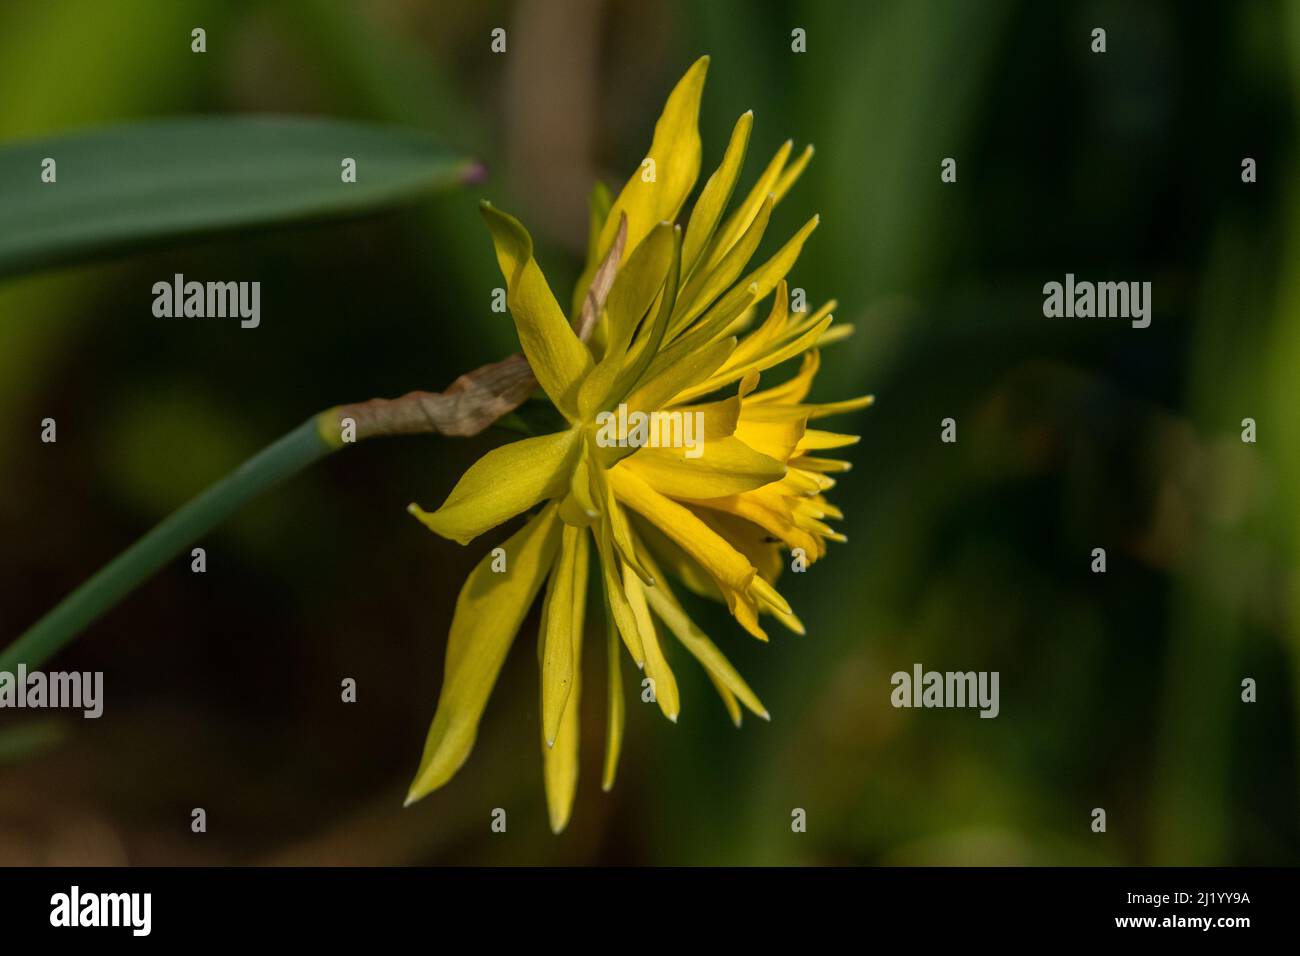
x=664, y=320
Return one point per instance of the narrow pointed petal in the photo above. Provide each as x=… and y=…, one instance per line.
x=790, y=175
x=817, y=440
x=809, y=463
x=725, y=467
x=656, y=665
x=635, y=290
x=560, y=760
x=616, y=708
x=704, y=650
x=723, y=563
x=562, y=621
x=675, y=153
x=489, y=610
x=620, y=609
x=503, y=483
x=796, y=388
x=735, y=225
x=707, y=284
x=662, y=386
x=716, y=194
x=775, y=269
x=556, y=356
x=728, y=698
x=648, y=341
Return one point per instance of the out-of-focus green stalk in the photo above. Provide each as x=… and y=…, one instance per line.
x=278, y=461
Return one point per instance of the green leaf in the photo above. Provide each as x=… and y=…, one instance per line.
x=140, y=184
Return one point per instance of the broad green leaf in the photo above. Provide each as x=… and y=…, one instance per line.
x=140, y=184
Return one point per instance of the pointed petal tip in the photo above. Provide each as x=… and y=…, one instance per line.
x=766, y=716
x=672, y=717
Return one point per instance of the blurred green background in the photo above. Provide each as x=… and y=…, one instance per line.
x=1119, y=690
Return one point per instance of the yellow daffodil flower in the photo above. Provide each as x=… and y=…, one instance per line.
x=662, y=328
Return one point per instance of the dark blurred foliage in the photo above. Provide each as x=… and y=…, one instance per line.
x=1119, y=690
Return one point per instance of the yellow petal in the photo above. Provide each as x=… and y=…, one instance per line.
x=656, y=665
x=489, y=610
x=749, y=539
x=635, y=289
x=579, y=507
x=836, y=333
x=638, y=283
x=826, y=409
x=611, y=569
x=552, y=348
x=703, y=649
x=691, y=366
x=675, y=152
x=815, y=439
x=720, y=417
x=728, y=699
x=651, y=336
x=614, y=521
x=823, y=465
x=560, y=760
x=723, y=563
x=725, y=466
x=716, y=194
x=791, y=174
x=775, y=269
x=777, y=439
x=680, y=564
x=504, y=482
x=736, y=224
x=736, y=368
x=616, y=709
x=562, y=621
x=796, y=388
x=707, y=284
x=772, y=512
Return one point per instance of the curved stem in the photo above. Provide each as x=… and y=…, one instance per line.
x=470, y=404
x=290, y=454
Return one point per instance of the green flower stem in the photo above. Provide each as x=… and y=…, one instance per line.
x=287, y=456
x=470, y=404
